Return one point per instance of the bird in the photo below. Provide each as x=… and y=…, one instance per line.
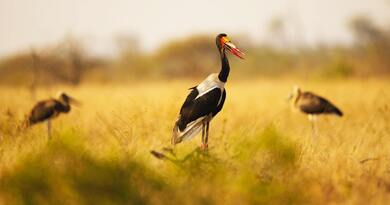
x=312, y=105
x=206, y=99
x=46, y=110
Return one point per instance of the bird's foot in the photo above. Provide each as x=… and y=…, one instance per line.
x=158, y=155
x=204, y=147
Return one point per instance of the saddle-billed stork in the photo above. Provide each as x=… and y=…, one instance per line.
x=206, y=99
x=46, y=110
x=312, y=105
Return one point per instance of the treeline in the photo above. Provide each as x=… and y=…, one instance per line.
x=69, y=62
x=64, y=63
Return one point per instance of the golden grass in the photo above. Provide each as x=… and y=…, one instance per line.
x=260, y=152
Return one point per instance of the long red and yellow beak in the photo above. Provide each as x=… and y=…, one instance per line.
x=232, y=48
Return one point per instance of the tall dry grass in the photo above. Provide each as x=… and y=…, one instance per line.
x=260, y=152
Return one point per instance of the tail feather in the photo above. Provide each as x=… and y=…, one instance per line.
x=189, y=132
x=331, y=109
x=337, y=111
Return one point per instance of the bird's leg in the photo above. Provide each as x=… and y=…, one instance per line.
x=49, y=129
x=313, y=126
x=207, y=133
x=203, y=134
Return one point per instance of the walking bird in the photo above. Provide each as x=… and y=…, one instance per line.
x=206, y=99
x=312, y=105
x=49, y=109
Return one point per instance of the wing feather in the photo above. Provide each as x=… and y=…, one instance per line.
x=192, y=113
x=313, y=104
x=42, y=111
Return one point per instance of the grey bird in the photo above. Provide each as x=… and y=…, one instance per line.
x=312, y=105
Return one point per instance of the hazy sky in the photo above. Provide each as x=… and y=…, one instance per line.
x=27, y=23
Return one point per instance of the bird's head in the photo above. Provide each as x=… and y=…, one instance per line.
x=63, y=97
x=296, y=91
x=223, y=42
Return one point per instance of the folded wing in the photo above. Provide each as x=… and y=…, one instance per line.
x=194, y=111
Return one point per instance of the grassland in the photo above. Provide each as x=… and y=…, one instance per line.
x=260, y=151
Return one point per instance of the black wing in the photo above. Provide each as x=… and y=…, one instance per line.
x=42, y=110
x=219, y=107
x=328, y=107
x=194, y=108
x=313, y=104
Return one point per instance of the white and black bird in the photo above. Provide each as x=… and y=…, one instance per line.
x=46, y=110
x=312, y=105
x=206, y=99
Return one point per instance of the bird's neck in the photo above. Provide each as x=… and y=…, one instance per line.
x=296, y=98
x=64, y=103
x=225, y=68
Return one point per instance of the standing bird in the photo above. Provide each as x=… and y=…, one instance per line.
x=206, y=99
x=312, y=105
x=47, y=110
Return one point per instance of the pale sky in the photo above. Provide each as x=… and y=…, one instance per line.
x=30, y=23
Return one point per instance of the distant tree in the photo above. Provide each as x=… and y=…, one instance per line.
x=65, y=62
x=74, y=57
x=277, y=32
x=365, y=31
x=127, y=44
x=192, y=56
x=131, y=62
x=35, y=73
x=374, y=41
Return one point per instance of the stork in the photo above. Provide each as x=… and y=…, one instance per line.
x=46, y=110
x=312, y=105
x=206, y=99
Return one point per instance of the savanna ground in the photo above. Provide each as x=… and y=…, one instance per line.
x=260, y=151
